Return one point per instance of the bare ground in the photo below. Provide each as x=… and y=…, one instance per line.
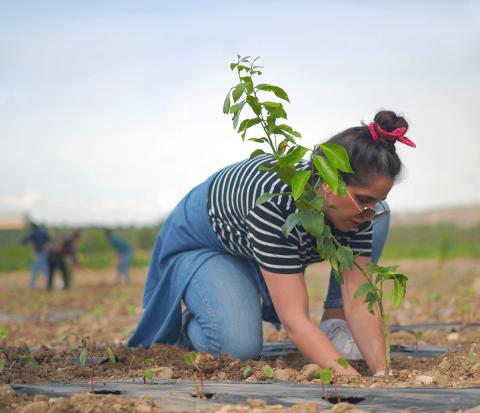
x=46, y=332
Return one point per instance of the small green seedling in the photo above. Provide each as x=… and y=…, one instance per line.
x=471, y=354
x=111, y=355
x=84, y=354
x=62, y=334
x=131, y=309
x=418, y=335
x=247, y=371
x=147, y=371
x=192, y=359
x=30, y=361
x=327, y=376
x=2, y=363
x=267, y=371
x=97, y=312
x=3, y=332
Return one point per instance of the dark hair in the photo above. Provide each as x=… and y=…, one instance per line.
x=367, y=157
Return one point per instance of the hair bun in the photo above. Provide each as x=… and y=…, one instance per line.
x=389, y=120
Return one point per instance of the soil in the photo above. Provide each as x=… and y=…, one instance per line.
x=45, y=334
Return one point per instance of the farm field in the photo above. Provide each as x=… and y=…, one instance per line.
x=44, y=334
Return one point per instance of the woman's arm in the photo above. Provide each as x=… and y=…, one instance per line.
x=290, y=298
x=366, y=328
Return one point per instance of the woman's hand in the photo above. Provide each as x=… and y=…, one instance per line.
x=290, y=298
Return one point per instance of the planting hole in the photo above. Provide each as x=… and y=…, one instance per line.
x=107, y=392
x=350, y=399
x=204, y=396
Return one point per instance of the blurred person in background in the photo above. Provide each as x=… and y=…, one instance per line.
x=125, y=254
x=39, y=239
x=56, y=258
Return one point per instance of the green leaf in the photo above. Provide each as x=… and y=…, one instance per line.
x=254, y=104
x=294, y=155
x=3, y=332
x=247, y=371
x=312, y=222
x=83, y=357
x=343, y=363
x=327, y=172
x=399, y=291
x=325, y=375
x=286, y=173
x=238, y=91
x=247, y=123
x=267, y=371
x=32, y=363
x=342, y=186
x=149, y=362
x=257, y=152
x=189, y=358
x=233, y=65
x=282, y=146
x=278, y=91
x=266, y=196
x=363, y=289
x=345, y=258
x=298, y=183
x=290, y=222
x=111, y=356
x=258, y=140
x=234, y=109
x=148, y=374
x=371, y=308
x=226, y=104
x=317, y=202
x=337, y=155
x=290, y=130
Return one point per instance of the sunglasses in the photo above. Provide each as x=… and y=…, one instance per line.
x=370, y=213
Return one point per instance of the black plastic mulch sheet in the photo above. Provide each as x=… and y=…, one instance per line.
x=177, y=395
x=279, y=348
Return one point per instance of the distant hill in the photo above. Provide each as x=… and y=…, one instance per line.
x=462, y=216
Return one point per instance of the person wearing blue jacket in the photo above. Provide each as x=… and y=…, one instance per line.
x=39, y=239
x=125, y=254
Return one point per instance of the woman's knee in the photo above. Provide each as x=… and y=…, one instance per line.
x=244, y=345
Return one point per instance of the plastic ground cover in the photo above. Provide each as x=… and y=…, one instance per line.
x=177, y=395
x=279, y=348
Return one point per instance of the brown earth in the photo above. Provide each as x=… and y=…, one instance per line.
x=38, y=349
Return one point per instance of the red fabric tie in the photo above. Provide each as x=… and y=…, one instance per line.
x=396, y=135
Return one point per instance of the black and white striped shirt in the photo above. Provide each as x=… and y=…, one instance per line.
x=255, y=231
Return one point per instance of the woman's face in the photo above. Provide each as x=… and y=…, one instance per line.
x=345, y=215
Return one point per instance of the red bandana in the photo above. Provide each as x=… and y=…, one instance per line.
x=396, y=135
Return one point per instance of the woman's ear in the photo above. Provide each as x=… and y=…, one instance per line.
x=326, y=189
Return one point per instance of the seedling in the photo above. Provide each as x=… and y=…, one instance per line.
x=328, y=161
x=111, y=355
x=192, y=359
x=266, y=371
x=131, y=309
x=327, y=376
x=418, y=335
x=147, y=371
x=85, y=354
x=62, y=334
x=2, y=364
x=471, y=354
x=3, y=332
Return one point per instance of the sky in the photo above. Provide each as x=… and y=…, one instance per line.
x=111, y=111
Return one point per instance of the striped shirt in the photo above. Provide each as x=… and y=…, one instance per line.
x=255, y=231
